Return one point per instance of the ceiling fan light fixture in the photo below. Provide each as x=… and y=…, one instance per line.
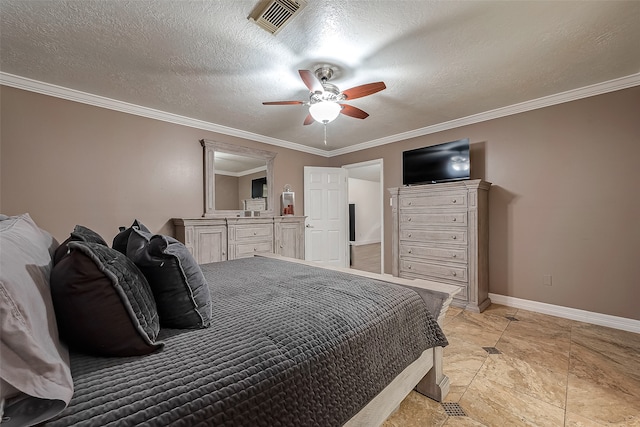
x=324, y=111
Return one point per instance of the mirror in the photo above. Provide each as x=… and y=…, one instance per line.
x=237, y=179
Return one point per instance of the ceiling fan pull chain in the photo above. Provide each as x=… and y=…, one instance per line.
x=325, y=133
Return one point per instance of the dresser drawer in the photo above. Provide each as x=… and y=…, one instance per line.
x=253, y=232
x=456, y=219
x=243, y=250
x=432, y=252
x=453, y=272
x=452, y=236
x=434, y=200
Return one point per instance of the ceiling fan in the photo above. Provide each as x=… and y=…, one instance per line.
x=326, y=101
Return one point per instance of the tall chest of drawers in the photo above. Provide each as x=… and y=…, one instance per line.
x=441, y=233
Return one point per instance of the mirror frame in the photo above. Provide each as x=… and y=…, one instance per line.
x=209, y=148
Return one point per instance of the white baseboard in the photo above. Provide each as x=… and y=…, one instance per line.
x=607, y=320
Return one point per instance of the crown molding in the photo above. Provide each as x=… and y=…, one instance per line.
x=546, y=101
x=125, y=107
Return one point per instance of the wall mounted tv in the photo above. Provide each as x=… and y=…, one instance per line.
x=437, y=163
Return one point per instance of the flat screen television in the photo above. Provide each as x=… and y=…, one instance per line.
x=258, y=186
x=437, y=163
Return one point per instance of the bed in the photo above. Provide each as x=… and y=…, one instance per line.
x=288, y=343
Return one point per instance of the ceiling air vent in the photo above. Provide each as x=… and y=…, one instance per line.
x=273, y=14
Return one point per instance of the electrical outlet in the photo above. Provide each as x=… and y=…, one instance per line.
x=546, y=280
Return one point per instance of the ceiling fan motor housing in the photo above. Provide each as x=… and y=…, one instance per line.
x=331, y=93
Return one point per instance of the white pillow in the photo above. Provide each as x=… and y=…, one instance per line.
x=33, y=361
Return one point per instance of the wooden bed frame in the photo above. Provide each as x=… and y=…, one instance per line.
x=425, y=374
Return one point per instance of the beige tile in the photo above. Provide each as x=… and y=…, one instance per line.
x=549, y=333
x=462, y=360
x=551, y=354
x=574, y=420
x=464, y=355
x=493, y=323
x=417, y=411
x=532, y=325
x=476, y=328
x=620, y=350
x=521, y=377
x=492, y=404
x=500, y=310
x=547, y=364
x=602, y=405
x=599, y=371
x=455, y=393
x=607, y=335
x=544, y=320
x=451, y=313
x=463, y=422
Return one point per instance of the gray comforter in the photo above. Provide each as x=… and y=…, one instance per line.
x=289, y=345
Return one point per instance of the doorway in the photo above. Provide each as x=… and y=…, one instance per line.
x=365, y=198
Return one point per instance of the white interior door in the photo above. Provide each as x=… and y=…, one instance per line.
x=325, y=205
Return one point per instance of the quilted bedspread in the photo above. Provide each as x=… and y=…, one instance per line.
x=289, y=345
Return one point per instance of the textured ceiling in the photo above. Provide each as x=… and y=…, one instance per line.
x=205, y=60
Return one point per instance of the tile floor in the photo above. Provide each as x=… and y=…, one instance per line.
x=549, y=372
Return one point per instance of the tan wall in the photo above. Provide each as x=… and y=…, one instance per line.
x=68, y=163
x=564, y=200
x=227, y=192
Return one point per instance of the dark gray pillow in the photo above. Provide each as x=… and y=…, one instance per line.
x=121, y=239
x=103, y=303
x=79, y=234
x=176, y=280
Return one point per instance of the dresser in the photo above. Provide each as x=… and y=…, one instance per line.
x=441, y=233
x=219, y=239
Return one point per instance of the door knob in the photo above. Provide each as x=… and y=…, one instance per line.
x=309, y=226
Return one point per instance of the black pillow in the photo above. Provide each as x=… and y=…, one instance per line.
x=178, y=285
x=103, y=303
x=79, y=234
x=121, y=239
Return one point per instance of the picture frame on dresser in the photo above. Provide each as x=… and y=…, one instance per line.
x=440, y=233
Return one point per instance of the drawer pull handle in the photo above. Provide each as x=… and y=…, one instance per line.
x=410, y=251
x=409, y=219
x=409, y=266
x=454, y=201
x=454, y=255
x=454, y=274
x=454, y=237
x=254, y=233
x=409, y=203
x=255, y=249
x=409, y=234
x=454, y=219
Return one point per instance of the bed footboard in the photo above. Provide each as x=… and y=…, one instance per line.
x=434, y=384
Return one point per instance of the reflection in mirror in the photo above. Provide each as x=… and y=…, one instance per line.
x=237, y=179
x=241, y=182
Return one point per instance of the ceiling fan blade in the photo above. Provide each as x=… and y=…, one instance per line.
x=364, y=90
x=310, y=80
x=351, y=111
x=308, y=120
x=283, y=103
